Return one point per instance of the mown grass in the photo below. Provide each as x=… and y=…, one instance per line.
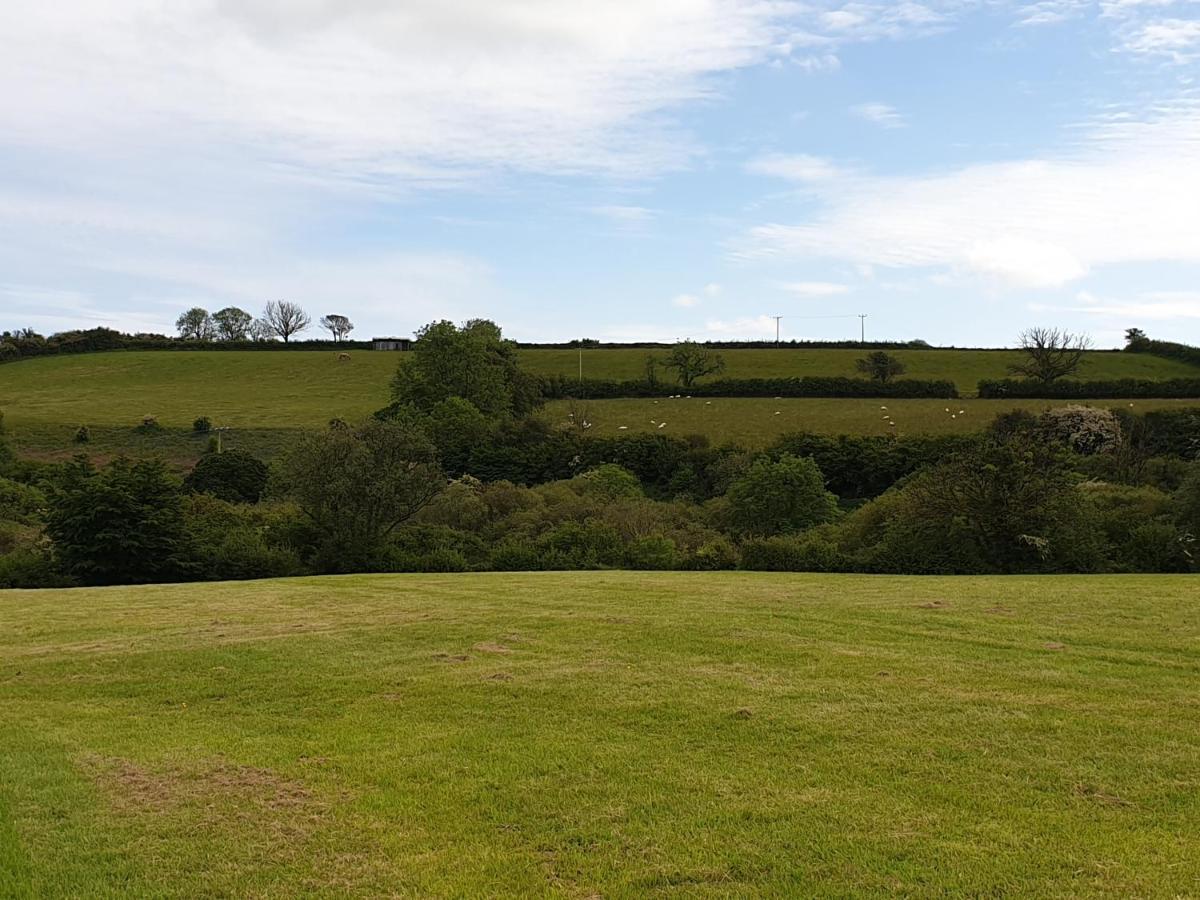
x=603, y=734
x=753, y=423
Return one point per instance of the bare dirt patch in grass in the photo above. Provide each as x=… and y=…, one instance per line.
x=136, y=788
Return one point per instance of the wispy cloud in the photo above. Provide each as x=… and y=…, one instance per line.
x=815, y=288
x=879, y=114
x=1125, y=194
x=1151, y=306
x=795, y=167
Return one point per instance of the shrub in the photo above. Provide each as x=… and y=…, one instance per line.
x=233, y=542
x=717, y=554
x=202, y=425
x=83, y=434
x=609, y=482
x=656, y=552
x=461, y=506
x=773, y=554
x=234, y=475
x=866, y=466
x=1159, y=547
x=1002, y=507
x=21, y=503
x=1085, y=429
x=31, y=568
x=1186, y=501
x=512, y=555
x=590, y=545
x=149, y=425
x=783, y=495
x=439, y=559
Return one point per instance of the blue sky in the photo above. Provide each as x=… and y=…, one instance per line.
x=955, y=170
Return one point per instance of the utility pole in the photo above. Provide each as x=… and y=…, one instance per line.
x=862, y=325
x=776, y=318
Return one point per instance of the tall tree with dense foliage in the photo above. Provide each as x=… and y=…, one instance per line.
x=122, y=524
x=1051, y=354
x=232, y=324
x=337, y=325
x=779, y=496
x=691, y=361
x=357, y=485
x=283, y=319
x=195, y=325
x=880, y=366
x=473, y=362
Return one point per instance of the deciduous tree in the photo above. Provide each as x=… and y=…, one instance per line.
x=357, y=485
x=195, y=325
x=232, y=324
x=284, y=318
x=1051, y=354
x=691, y=361
x=337, y=325
x=880, y=366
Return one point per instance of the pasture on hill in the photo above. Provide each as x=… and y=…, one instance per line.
x=602, y=734
x=754, y=422
x=265, y=396
x=966, y=368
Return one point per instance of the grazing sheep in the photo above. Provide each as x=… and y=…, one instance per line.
x=343, y=357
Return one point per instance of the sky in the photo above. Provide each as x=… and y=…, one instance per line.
x=955, y=170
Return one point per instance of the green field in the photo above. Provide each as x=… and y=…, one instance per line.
x=603, y=734
x=266, y=396
x=966, y=368
x=755, y=423
x=301, y=388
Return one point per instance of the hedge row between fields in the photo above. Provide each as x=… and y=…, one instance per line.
x=1119, y=389
x=560, y=387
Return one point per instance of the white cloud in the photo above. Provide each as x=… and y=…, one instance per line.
x=1178, y=39
x=746, y=327
x=1126, y=194
x=421, y=90
x=712, y=289
x=685, y=301
x=814, y=288
x=1151, y=306
x=795, y=167
x=632, y=218
x=879, y=114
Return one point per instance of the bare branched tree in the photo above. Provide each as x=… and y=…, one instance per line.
x=285, y=318
x=1051, y=354
x=338, y=326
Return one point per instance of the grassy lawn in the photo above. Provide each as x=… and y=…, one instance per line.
x=603, y=734
x=753, y=422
